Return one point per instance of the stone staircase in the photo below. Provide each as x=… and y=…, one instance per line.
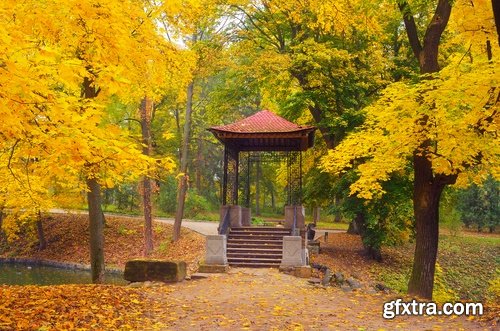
x=255, y=247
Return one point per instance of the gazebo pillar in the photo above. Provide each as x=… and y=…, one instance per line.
x=230, y=211
x=230, y=185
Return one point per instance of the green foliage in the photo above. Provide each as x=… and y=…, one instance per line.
x=123, y=198
x=388, y=220
x=196, y=205
x=166, y=200
x=480, y=205
x=449, y=216
x=396, y=280
x=258, y=221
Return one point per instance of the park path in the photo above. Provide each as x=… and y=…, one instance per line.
x=265, y=299
x=202, y=227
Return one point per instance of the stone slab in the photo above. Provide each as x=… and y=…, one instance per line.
x=213, y=268
x=142, y=270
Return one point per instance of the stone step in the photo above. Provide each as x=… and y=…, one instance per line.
x=263, y=249
x=259, y=233
x=255, y=241
x=254, y=259
x=261, y=228
x=254, y=265
x=254, y=255
x=255, y=246
x=255, y=236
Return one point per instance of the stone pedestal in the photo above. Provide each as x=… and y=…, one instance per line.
x=300, y=216
x=246, y=216
x=216, y=250
x=235, y=215
x=293, y=252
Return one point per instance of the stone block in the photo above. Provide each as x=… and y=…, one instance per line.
x=216, y=250
x=303, y=271
x=313, y=246
x=213, y=268
x=142, y=270
x=246, y=216
x=299, y=212
x=235, y=216
x=292, y=252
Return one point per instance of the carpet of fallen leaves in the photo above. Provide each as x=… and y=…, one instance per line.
x=243, y=299
x=67, y=236
x=469, y=264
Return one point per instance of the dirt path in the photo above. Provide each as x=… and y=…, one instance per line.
x=264, y=299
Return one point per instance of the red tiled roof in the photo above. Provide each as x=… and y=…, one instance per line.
x=262, y=122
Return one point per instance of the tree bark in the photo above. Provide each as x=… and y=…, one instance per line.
x=42, y=243
x=183, y=180
x=496, y=13
x=199, y=164
x=427, y=187
x=96, y=215
x=316, y=214
x=146, y=112
x=426, y=196
x=96, y=225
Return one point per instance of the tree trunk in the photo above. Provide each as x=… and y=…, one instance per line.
x=147, y=190
x=426, y=195
x=427, y=188
x=199, y=165
x=338, y=215
x=183, y=180
x=42, y=243
x=273, y=200
x=2, y=234
x=353, y=228
x=316, y=214
x=96, y=225
x=96, y=216
x=496, y=12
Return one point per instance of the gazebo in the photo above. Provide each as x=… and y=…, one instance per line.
x=261, y=137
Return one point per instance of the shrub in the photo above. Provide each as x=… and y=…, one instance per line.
x=195, y=205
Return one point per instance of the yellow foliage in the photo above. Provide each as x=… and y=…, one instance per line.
x=50, y=135
x=441, y=292
x=461, y=106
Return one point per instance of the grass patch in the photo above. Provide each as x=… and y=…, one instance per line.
x=467, y=265
x=326, y=225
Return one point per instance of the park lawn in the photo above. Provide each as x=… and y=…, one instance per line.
x=468, y=263
x=67, y=238
x=329, y=225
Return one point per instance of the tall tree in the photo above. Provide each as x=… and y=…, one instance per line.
x=183, y=180
x=146, y=113
x=71, y=60
x=443, y=124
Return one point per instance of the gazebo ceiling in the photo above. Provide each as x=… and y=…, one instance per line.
x=265, y=131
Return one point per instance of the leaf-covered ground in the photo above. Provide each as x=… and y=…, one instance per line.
x=243, y=299
x=68, y=241
x=469, y=262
